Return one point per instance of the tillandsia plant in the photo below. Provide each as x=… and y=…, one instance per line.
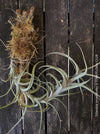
x=24, y=84
x=22, y=44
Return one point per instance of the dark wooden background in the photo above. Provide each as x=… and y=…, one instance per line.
x=64, y=22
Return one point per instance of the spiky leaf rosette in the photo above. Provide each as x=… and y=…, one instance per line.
x=22, y=45
x=59, y=87
x=22, y=49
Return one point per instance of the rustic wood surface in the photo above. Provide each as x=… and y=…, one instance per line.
x=56, y=29
x=10, y=115
x=54, y=16
x=81, y=31
x=96, y=120
x=32, y=119
x=81, y=20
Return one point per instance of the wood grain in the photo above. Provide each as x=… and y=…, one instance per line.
x=84, y=115
x=56, y=28
x=81, y=20
x=32, y=119
x=10, y=115
x=96, y=120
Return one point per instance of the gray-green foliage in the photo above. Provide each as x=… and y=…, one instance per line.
x=52, y=90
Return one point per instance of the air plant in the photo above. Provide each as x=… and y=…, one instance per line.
x=23, y=48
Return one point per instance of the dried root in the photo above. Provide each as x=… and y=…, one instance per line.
x=23, y=37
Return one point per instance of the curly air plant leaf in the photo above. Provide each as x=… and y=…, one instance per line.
x=22, y=49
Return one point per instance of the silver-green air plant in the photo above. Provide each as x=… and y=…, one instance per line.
x=26, y=84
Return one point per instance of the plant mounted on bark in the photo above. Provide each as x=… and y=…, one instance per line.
x=24, y=84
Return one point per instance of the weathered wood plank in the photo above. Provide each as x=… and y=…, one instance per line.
x=32, y=119
x=56, y=21
x=81, y=20
x=10, y=115
x=96, y=120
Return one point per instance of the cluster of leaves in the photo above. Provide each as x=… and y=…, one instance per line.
x=26, y=83
x=29, y=86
